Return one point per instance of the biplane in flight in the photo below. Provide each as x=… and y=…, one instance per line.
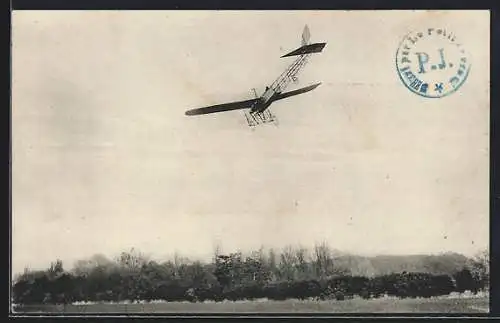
x=258, y=108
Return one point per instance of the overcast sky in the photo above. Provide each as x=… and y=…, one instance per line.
x=104, y=158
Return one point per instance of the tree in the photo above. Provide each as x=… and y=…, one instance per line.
x=63, y=289
x=302, y=266
x=480, y=269
x=254, y=270
x=272, y=265
x=228, y=270
x=132, y=260
x=56, y=269
x=85, y=266
x=288, y=264
x=465, y=281
x=323, y=262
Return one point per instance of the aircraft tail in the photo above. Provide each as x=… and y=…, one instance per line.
x=307, y=49
x=306, y=35
x=306, y=46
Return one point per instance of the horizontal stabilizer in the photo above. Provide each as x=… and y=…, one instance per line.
x=297, y=92
x=307, y=49
x=222, y=107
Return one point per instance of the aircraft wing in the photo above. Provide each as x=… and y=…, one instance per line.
x=222, y=107
x=297, y=92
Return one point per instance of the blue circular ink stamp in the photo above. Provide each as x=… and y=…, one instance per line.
x=432, y=62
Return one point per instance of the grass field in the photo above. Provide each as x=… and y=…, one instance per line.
x=439, y=305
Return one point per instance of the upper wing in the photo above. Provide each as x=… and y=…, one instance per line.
x=296, y=92
x=222, y=107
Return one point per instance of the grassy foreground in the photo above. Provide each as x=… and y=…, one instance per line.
x=435, y=305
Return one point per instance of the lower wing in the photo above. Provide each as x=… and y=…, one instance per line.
x=222, y=107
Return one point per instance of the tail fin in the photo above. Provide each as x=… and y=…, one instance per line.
x=306, y=47
x=306, y=35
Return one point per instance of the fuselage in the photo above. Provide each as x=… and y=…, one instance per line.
x=264, y=101
x=279, y=85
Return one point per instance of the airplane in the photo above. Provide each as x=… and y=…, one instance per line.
x=259, y=112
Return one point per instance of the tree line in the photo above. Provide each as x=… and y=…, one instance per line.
x=292, y=273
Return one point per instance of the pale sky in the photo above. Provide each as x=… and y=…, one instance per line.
x=104, y=158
